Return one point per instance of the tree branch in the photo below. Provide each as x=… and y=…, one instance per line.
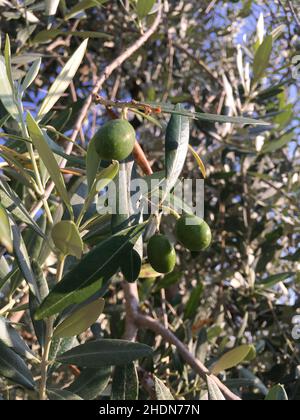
x=135, y=320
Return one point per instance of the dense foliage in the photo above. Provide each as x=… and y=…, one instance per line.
x=211, y=90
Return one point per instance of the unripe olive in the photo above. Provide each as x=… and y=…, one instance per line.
x=161, y=254
x=115, y=140
x=193, y=232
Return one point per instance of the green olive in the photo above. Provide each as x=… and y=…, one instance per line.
x=115, y=140
x=161, y=254
x=193, y=232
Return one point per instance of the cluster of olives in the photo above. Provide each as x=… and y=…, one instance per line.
x=191, y=231
x=115, y=141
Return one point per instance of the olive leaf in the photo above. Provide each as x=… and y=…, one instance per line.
x=231, y=359
x=48, y=159
x=262, y=58
x=125, y=384
x=214, y=393
x=14, y=368
x=176, y=144
x=62, y=395
x=144, y=7
x=105, y=352
x=87, y=277
x=63, y=80
x=80, y=320
x=6, y=91
x=277, y=393
x=10, y=337
x=67, y=239
x=91, y=382
x=5, y=230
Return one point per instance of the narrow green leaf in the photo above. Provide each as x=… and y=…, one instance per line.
x=231, y=359
x=23, y=261
x=48, y=159
x=91, y=383
x=100, y=182
x=277, y=393
x=67, y=239
x=273, y=280
x=214, y=393
x=5, y=230
x=10, y=337
x=193, y=302
x=170, y=109
x=10, y=200
x=47, y=35
x=83, y=5
x=92, y=163
x=161, y=390
x=144, y=7
x=199, y=161
x=168, y=280
x=6, y=92
x=262, y=58
x=63, y=80
x=177, y=141
x=125, y=384
x=80, y=320
x=87, y=277
x=101, y=353
x=31, y=74
x=7, y=56
x=51, y=7
x=275, y=145
x=14, y=368
x=40, y=327
x=62, y=395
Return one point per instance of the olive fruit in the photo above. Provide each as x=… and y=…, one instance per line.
x=161, y=254
x=193, y=232
x=115, y=140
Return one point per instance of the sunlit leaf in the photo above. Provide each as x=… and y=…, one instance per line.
x=262, y=58
x=63, y=80
x=231, y=359
x=214, y=393
x=80, y=320
x=5, y=230
x=31, y=74
x=67, y=239
x=176, y=144
x=48, y=159
x=143, y=7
